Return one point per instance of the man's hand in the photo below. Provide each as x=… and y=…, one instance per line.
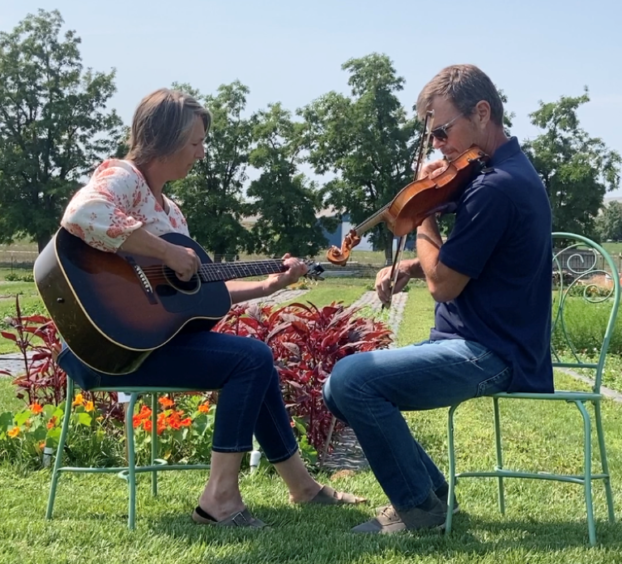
x=295, y=269
x=182, y=260
x=433, y=169
x=383, y=282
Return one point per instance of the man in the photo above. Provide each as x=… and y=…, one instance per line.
x=491, y=280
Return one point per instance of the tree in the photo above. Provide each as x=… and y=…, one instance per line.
x=212, y=193
x=609, y=222
x=53, y=125
x=366, y=140
x=286, y=203
x=577, y=170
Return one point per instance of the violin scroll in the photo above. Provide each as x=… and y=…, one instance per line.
x=341, y=256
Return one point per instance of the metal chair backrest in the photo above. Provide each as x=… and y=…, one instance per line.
x=586, y=296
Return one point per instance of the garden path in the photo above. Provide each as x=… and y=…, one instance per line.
x=347, y=453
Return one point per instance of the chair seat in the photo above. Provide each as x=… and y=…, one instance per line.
x=559, y=396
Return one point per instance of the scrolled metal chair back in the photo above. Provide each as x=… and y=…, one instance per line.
x=586, y=295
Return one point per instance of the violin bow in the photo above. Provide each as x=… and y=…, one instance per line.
x=420, y=154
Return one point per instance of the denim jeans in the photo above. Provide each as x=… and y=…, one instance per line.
x=368, y=390
x=249, y=402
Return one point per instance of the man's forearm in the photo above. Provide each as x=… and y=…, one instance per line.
x=413, y=268
x=428, y=246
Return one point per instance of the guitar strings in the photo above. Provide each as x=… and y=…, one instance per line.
x=207, y=266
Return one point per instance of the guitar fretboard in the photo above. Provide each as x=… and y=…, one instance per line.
x=221, y=271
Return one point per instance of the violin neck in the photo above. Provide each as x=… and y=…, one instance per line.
x=371, y=221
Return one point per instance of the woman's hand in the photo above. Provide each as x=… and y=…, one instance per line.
x=182, y=260
x=295, y=269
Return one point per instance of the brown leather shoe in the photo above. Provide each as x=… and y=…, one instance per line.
x=391, y=521
x=329, y=496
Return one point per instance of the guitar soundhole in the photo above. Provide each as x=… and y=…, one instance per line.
x=191, y=287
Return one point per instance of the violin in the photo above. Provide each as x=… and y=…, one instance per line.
x=416, y=201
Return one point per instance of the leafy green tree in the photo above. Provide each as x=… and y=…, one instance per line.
x=286, y=203
x=212, y=194
x=609, y=222
x=366, y=140
x=53, y=125
x=577, y=170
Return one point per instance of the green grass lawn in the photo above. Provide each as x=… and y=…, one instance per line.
x=544, y=522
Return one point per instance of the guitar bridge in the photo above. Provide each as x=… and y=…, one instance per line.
x=144, y=281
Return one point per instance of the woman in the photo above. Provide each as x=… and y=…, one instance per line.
x=123, y=207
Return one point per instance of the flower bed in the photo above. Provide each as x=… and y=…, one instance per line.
x=306, y=341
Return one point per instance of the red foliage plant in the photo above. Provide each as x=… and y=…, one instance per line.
x=306, y=342
x=43, y=380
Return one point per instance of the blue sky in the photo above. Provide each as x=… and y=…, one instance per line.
x=292, y=51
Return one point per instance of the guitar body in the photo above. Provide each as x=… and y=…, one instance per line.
x=113, y=309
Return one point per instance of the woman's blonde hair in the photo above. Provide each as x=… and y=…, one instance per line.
x=162, y=123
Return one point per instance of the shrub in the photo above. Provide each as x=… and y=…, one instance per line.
x=306, y=342
x=14, y=277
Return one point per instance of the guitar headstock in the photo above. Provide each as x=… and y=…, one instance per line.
x=315, y=270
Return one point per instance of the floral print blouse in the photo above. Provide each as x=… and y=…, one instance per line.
x=115, y=202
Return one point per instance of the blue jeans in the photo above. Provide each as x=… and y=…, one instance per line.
x=249, y=402
x=368, y=390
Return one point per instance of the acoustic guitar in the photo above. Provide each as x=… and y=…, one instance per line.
x=114, y=309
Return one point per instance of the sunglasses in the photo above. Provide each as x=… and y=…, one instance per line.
x=440, y=132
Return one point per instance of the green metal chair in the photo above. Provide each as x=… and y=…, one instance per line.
x=580, y=268
x=128, y=472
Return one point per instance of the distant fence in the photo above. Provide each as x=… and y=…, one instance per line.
x=573, y=260
x=16, y=259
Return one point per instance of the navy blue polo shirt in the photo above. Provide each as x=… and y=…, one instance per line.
x=502, y=240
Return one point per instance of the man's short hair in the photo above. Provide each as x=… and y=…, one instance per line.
x=464, y=86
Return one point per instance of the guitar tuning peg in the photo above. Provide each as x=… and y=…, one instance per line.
x=315, y=269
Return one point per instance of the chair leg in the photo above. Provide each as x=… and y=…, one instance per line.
x=452, y=469
x=131, y=462
x=603, y=459
x=154, y=442
x=61, y=448
x=587, y=470
x=495, y=402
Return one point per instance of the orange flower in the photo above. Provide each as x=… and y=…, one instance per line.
x=166, y=402
x=79, y=400
x=186, y=422
x=204, y=408
x=89, y=406
x=13, y=432
x=36, y=408
x=174, y=424
x=147, y=426
x=145, y=413
x=42, y=445
x=51, y=422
